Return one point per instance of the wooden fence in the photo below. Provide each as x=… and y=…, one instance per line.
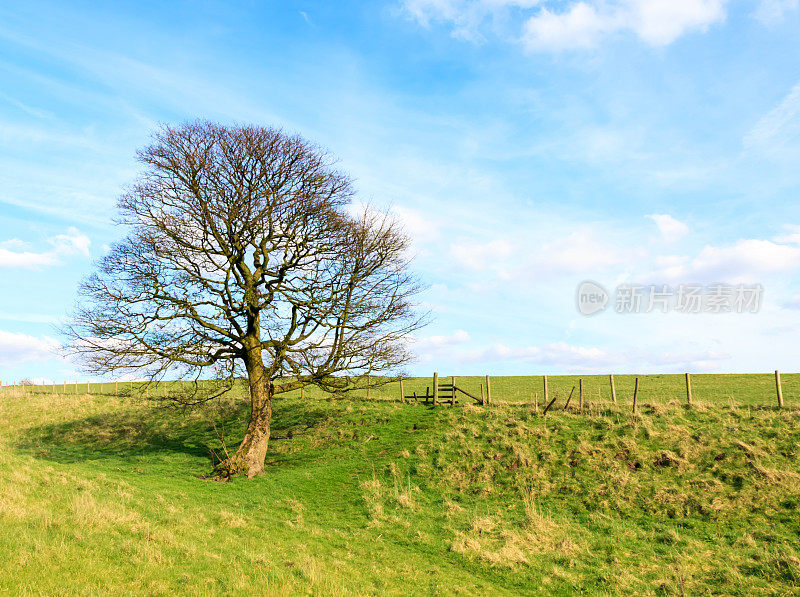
x=153, y=389
x=625, y=391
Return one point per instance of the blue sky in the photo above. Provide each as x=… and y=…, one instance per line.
x=527, y=145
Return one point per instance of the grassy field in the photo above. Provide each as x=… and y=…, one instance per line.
x=730, y=390
x=102, y=494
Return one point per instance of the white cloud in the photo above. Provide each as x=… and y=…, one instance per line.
x=21, y=348
x=544, y=253
x=585, y=24
x=771, y=12
x=579, y=252
x=71, y=243
x=748, y=260
x=562, y=356
x=26, y=259
x=581, y=26
x=428, y=348
x=15, y=244
x=458, y=337
x=750, y=256
x=420, y=227
x=792, y=236
x=482, y=256
x=660, y=22
x=557, y=354
x=16, y=253
x=669, y=228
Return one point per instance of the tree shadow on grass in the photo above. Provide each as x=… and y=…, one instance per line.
x=152, y=431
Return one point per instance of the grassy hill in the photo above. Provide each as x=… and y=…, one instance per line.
x=100, y=494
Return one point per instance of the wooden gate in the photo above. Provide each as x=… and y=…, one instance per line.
x=444, y=393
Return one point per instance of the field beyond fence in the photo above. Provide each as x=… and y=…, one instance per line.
x=752, y=389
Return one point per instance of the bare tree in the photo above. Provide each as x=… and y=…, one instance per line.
x=243, y=259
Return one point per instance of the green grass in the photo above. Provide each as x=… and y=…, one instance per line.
x=102, y=494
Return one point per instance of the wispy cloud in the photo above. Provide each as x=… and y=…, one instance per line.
x=772, y=12
x=16, y=253
x=466, y=17
x=477, y=256
x=29, y=110
x=16, y=349
x=30, y=317
x=779, y=127
x=306, y=18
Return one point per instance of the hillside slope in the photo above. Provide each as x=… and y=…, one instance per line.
x=100, y=494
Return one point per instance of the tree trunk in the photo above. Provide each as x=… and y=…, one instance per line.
x=249, y=458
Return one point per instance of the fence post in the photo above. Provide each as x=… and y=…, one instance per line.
x=402, y=392
x=688, y=389
x=435, y=387
x=635, y=393
x=613, y=389
x=483, y=400
x=549, y=404
x=580, y=394
x=778, y=388
x=488, y=391
x=544, y=381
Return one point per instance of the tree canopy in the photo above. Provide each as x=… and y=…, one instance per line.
x=245, y=257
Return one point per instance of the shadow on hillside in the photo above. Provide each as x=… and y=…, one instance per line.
x=149, y=431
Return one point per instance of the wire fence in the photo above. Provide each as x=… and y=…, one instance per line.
x=757, y=389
